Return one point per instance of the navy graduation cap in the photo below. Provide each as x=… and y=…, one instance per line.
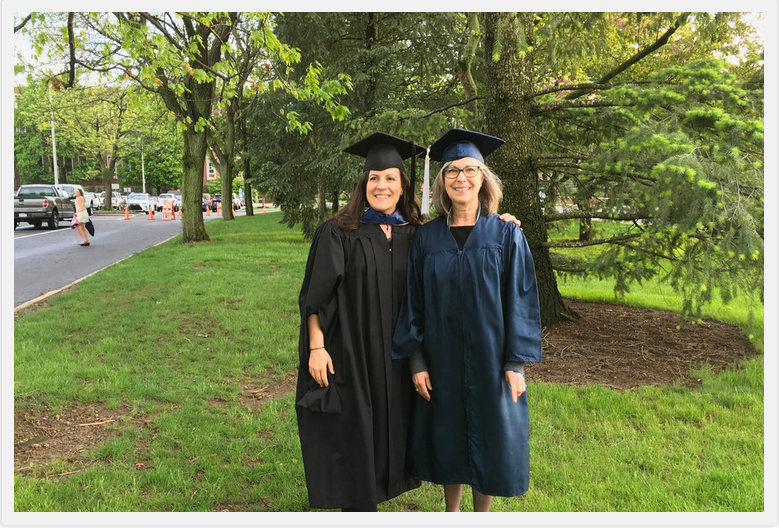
x=383, y=151
x=459, y=143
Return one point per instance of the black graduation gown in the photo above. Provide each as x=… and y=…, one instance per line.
x=471, y=310
x=353, y=434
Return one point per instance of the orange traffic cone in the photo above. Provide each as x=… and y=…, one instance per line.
x=126, y=213
x=208, y=210
x=179, y=211
x=219, y=209
x=151, y=213
x=263, y=207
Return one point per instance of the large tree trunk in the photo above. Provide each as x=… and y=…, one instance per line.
x=227, y=167
x=107, y=181
x=509, y=116
x=192, y=226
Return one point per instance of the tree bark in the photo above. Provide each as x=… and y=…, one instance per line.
x=193, y=160
x=509, y=112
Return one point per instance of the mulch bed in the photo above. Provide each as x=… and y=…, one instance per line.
x=622, y=347
x=616, y=346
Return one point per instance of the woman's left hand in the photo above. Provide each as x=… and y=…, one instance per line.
x=516, y=381
x=508, y=217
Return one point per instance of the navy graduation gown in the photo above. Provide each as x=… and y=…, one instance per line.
x=470, y=311
x=353, y=433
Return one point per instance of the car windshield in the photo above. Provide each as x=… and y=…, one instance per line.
x=36, y=191
x=139, y=196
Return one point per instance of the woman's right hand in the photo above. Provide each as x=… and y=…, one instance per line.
x=422, y=383
x=319, y=363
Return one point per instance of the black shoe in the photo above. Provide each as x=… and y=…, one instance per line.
x=84, y=244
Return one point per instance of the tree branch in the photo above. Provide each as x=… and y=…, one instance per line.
x=568, y=215
x=611, y=240
x=23, y=23
x=72, y=49
x=453, y=105
x=558, y=165
x=563, y=105
x=659, y=43
x=558, y=155
x=568, y=87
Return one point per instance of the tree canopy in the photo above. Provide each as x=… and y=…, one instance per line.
x=644, y=128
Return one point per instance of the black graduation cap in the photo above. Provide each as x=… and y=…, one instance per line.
x=459, y=143
x=383, y=151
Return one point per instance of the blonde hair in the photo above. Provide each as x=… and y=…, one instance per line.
x=490, y=194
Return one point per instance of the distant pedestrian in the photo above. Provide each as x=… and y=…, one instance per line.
x=469, y=321
x=82, y=217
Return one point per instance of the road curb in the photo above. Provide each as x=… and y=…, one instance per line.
x=43, y=297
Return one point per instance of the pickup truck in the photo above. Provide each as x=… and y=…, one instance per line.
x=38, y=202
x=90, y=199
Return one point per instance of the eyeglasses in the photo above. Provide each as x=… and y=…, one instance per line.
x=470, y=171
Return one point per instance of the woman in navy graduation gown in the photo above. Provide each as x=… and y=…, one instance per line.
x=469, y=321
x=353, y=402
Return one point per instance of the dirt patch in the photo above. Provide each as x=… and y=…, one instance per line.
x=616, y=346
x=622, y=347
x=255, y=396
x=41, y=436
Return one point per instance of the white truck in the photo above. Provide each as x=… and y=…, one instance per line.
x=90, y=199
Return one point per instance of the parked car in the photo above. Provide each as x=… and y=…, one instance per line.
x=217, y=199
x=176, y=194
x=37, y=203
x=167, y=198
x=90, y=199
x=153, y=202
x=117, y=202
x=138, y=202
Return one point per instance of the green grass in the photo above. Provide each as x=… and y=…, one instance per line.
x=172, y=335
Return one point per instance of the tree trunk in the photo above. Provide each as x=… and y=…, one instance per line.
x=192, y=226
x=464, y=74
x=107, y=181
x=322, y=205
x=226, y=167
x=336, y=205
x=247, y=192
x=371, y=36
x=510, y=117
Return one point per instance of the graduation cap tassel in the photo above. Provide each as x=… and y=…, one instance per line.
x=426, y=185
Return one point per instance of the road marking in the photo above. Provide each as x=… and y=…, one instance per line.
x=36, y=234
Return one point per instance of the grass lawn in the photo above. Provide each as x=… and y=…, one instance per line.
x=178, y=337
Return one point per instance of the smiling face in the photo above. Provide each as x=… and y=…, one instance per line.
x=383, y=190
x=463, y=190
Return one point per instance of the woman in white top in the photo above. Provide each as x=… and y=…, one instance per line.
x=82, y=217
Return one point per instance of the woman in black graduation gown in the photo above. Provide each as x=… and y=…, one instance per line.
x=472, y=307
x=352, y=401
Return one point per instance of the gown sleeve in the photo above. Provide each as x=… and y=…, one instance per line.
x=521, y=310
x=324, y=272
x=410, y=328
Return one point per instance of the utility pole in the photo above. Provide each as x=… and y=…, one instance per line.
x=143, y=168
x=53, y=141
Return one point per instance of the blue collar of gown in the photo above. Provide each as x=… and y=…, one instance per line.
x=371, y=216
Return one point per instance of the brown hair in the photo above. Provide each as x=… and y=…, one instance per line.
x=490, y=194
x=79, y=192
x=350, y=216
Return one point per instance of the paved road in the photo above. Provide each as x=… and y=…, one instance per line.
x=47, y=260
